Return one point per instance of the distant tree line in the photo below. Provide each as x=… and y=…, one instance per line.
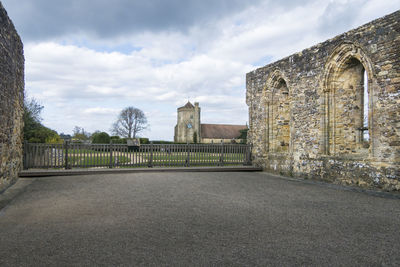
x=130, y=123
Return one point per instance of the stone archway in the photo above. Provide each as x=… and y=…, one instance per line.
x=343, y=109
x=277, y=95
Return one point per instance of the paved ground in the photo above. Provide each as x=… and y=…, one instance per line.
x=196, y=219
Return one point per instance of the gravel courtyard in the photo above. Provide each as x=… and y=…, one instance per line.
x=196, y=219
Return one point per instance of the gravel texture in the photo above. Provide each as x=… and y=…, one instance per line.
x=196, y=219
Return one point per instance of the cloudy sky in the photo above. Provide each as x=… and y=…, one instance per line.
x=88, y=59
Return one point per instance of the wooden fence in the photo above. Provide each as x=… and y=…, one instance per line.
x=73, y=155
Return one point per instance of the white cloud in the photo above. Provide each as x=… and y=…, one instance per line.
x=100, y=111
x=88, y=86
x=79, y=83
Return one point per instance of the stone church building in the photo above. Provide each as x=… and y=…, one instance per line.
x=189, y=129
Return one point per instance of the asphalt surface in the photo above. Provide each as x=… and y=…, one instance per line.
x=196, y=219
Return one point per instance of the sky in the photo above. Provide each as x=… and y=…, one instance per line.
x=86, y=60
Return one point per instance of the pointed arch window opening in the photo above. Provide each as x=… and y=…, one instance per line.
x=347, y=109
x=365, y=125
x=279, y=118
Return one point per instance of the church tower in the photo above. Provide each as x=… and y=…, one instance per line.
x=187, y=128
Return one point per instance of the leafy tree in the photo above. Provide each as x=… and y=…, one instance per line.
x=31, y=117
x=34, y=131
x=100, y=138
x=243, y=135
x=45, y=135
x=130, y=122
x=42, y=134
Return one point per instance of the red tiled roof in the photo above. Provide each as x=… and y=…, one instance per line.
x=221, y=131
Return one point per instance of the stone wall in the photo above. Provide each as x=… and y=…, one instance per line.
x=218, y=141
x=11, y=101
x=332, y=112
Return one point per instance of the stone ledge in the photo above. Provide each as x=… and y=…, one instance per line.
x=73, y=172
x=316, y=181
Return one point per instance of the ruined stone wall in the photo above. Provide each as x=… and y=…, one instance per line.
x=11, y=101
x=332, y=112
x=219, y=140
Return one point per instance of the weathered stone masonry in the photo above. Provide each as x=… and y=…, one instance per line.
x=332, y=112
x=11, y=101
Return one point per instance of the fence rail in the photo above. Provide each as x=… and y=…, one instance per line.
x=72, y=155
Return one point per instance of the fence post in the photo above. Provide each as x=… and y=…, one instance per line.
x=66, y=144
x=111, y=155
x=187, y=164
x=248, y=154
x=25, y=157
x=221, y=156
x=151, y=155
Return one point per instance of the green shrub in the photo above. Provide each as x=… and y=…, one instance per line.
x=101, y=138
x=162, y=142
x=144, y=141
x=117, y=140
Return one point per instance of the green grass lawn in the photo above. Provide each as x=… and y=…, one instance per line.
x=196, y=156
x=89, y=158
x=86, y=151
x=97, y=156
x=101, y=160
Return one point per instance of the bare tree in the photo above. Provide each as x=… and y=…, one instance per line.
x=80, y=133
x=130, y=122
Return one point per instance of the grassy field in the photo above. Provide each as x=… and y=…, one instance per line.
x=198, y=156
x=43, y=156
x=125, y=158
x=100, y=160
